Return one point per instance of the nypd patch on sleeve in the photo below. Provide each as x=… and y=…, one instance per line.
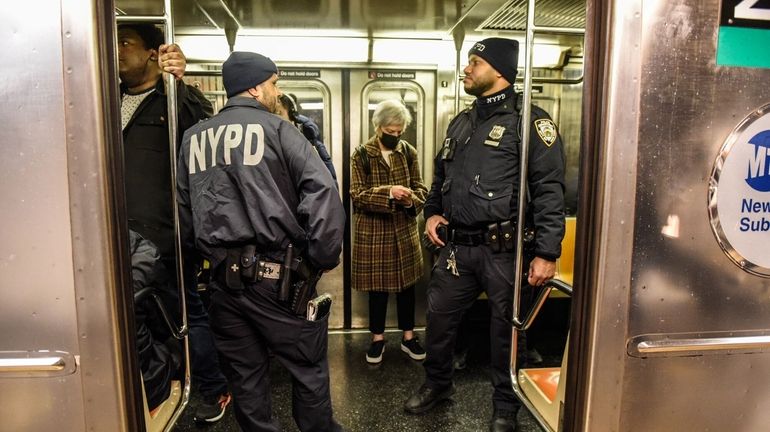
x=546, y=130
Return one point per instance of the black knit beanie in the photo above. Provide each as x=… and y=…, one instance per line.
x=502, y=54
x=244, y=70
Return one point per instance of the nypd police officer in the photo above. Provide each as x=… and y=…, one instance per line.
x=474, y=195
x=264, y=210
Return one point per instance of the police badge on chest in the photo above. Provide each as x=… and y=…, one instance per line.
x=493, y=140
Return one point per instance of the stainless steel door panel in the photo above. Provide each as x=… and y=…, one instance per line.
x=669, y=111
x=38, y=309
x=685, y=283
x=56, y=272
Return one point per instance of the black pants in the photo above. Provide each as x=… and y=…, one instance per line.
x=207, y=375
x=450, y=296
x=378, y=309
x=245, y=326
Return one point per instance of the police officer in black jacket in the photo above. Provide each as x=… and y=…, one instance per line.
x=475, y=196
x=251, y=188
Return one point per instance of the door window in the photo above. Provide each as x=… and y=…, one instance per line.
x=313, y=101
x=410, y=94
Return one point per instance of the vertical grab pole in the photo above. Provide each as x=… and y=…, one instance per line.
x=173, y=134
x=526, y=113
x=458, y=35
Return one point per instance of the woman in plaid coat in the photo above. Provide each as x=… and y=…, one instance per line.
x=388, y=194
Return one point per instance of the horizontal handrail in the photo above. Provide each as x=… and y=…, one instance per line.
x=141, y=18
x=142, y=294
x=688, y=345
x=559, y=30
x=553, y=284
x=560, y=285
x=36, y=364
x=32, y=364
x=178, y=332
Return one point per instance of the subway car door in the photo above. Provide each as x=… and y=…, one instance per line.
x=417, y=90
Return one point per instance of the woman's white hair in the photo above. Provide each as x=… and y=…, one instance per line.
x=391, y=112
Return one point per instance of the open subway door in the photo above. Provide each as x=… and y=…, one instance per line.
x=544, y=388
x=160, y=306
x=671, y=302
x=66, y=352
x=541, y=391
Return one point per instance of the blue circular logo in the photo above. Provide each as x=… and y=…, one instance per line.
x=758, y=175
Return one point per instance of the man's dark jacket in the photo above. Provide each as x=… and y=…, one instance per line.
x=313, y=134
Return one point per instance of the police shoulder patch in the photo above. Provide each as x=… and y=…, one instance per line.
x=546, y=130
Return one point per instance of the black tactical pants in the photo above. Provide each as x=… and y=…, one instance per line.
x=245, y=326
x=450, y=296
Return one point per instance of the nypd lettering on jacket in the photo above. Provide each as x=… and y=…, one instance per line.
x=204, y=145
x=496, y=98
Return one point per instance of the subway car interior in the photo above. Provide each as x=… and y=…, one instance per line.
x=667, y=328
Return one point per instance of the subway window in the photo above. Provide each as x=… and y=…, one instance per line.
x=409, y=95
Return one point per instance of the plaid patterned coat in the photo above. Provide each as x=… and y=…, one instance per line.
x=386, y=246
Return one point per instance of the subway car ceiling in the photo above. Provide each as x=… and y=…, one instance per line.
x=367, y=31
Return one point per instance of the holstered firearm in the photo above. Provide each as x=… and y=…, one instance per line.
x=304, y=289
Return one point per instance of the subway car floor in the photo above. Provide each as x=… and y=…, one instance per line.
x=369, y=398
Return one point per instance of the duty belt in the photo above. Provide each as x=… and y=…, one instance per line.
x=264, y=269
x=244, y=265
x=466, y=238
x=499, y=236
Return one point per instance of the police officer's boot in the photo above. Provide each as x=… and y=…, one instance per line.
x=426, y=398
x=503, y=421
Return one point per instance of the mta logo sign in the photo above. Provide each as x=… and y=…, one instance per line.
x=758, y=176
x=738, y=200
